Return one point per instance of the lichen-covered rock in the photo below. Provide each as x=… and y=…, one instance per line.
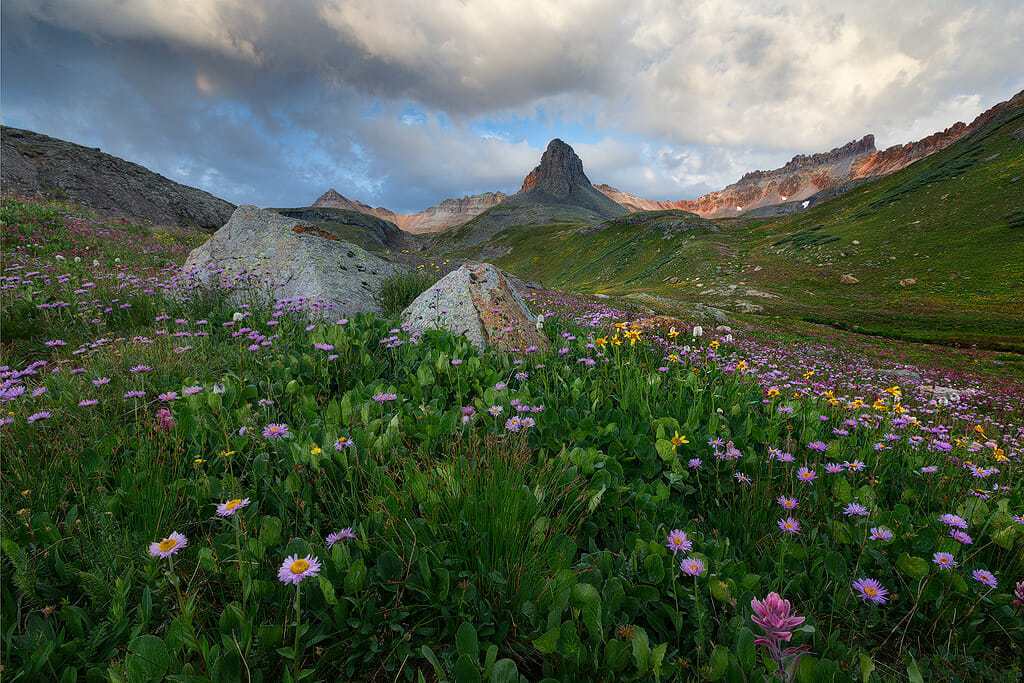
x=265, y=252
x=476, y=301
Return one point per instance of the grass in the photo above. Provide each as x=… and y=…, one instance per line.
x=508, y=513
x=401, y=289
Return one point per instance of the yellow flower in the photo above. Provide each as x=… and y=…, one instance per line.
x=714, y=344
x=316, y=450
x=741, y=366
x=879, y=405
x=633, y=336
x=198, y=461
x=673, y=333
x=600, y=341
x=898, y=409
x=797, y=394
x=809, y=374
x=773, y=392
x=856, y=404
x=673, y=357
x=620, y=326
x=979, y=429
x=227, y=454
x=1000, y=455
x=893, y=391
x=616, y=340
x=679, y=440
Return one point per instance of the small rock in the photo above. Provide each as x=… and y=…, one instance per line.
x=848, y=279
x=908, y=282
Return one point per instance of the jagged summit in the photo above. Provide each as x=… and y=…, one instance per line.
x=559, y=171
x=559, y=180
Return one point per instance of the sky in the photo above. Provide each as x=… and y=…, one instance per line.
x=402, y=103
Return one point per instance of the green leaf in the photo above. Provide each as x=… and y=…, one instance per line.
x=913, y=672
x=641, y=650
x=588, y=600
x=505, y=671
x=147, y=659
x=616, y=655
x=429, y=655
x=718, y=665
x=466, y=641
x=548, y=642
x=270, y=531
x=916, y=567
x=355, y=577
x=389, y=566
x=745, y=649
x=867, y=665
x=327, y=588
x=466, y=670
x=720, y=590
x=657, y=657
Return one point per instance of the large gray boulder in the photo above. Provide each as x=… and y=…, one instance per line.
x=285, y=258
x=477, y=301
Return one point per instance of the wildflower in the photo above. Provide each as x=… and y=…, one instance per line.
x=880, y=533
x=929, y=469
x=1018, y=594
x=742, y=478
x=806, y=475
x=100, y=381
x=855, y=466
x=87, y=402
x=230, y=507
x=342, y=443
x=275, y=431
x=677, y=541
x=135, y=393
x=500, y=386
x=818, y=446
x=495, y=411
x=692, y=566
x=985, y=577
x=788, y=503
x=944, y=560
x=855, y=510
x=315, y=450
x=693, y=463
x=870, y=590
x=679, y=440
x=36, y=417
x=952, y=520
x=789, y=525
x=346, y=534
x=384, y=397
x=164, y=420
x=168, y=546
x=833, y=468
x=698, y=331
x=295, y=569
x=776, y=619
x=168, y=396
x=191, y=391
x=521, y=376
x=961, y=537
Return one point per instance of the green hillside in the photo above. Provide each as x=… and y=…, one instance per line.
x=952, y=223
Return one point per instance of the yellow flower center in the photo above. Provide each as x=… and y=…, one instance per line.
x=870, y=590
x=168, y=544
x=299, y=566
x=233, y=503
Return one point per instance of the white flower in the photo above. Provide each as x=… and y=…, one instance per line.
x=78, y=259
x=540, y=322
x=59, y=257
x=698, y=331
x=236, y=316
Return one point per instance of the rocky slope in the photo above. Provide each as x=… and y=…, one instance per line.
x=368, y=231
x=448, y=213
x=809, y=178
x=36, y=165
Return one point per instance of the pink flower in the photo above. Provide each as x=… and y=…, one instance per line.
x=168, y=546
x=164, y=420
x=775, y=617
x=295, y=569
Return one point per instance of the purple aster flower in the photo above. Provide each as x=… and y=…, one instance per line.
x=961, y=536
x=870, y=590
x=833, y=468
x=87, y=403
x=168, y=396
x=944, y=560
x=984, y=576
x=295, y=569
x=191, y=391
x=677, y=541
x=495, y=411
x=855, y=510
x=693, y=463
x=952, y=520
x=275, y=431
x=788, y=503
x=819, y=446
x=135, y=393
x=100, y=381
x=806, y=475
x=384, y=397
x=229, y=507
x=881, y=533
x=346, y=534
x=692, y=566
x=36, y=417
x=343, y=442
x=789, y=525
x=929, y=469
x=168, y=546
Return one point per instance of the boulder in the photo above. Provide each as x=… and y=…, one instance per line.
x=267, y=253
x=477, y=302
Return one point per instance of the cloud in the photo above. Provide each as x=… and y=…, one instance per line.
x=271, y=101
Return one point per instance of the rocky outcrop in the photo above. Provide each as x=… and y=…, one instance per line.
x=264, y=253
x=476, y=301
x=36, y=165
x=447, y=214
x=368, y=231
x=559, y=179
x=814, y=177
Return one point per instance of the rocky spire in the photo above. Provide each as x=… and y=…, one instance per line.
x=559, y=172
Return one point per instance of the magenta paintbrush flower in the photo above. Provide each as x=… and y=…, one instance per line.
x=775, y=617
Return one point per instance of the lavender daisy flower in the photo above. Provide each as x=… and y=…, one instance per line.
x=944, y=560
x=692, y=566
x=870, y=590
x=954, y=521
x=343, y=442
x=693, y=463
x=819, y=446
x=346, y=534
x=275, y=431
x=168, y=546
x=985, y=577
x=36, y=417
x=880, y=533
x=384, y=397
x=806, y=475
x=677, y=541
x=87, y=402
x=135, y=393
x=230, y=507
x=789, y=525
x=961, y=537
x=855, y=510
x=295, y=569
x=788, y=503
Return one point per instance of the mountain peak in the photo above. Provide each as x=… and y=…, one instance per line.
x=559, y=172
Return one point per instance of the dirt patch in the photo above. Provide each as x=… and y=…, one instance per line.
x=316, y=232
